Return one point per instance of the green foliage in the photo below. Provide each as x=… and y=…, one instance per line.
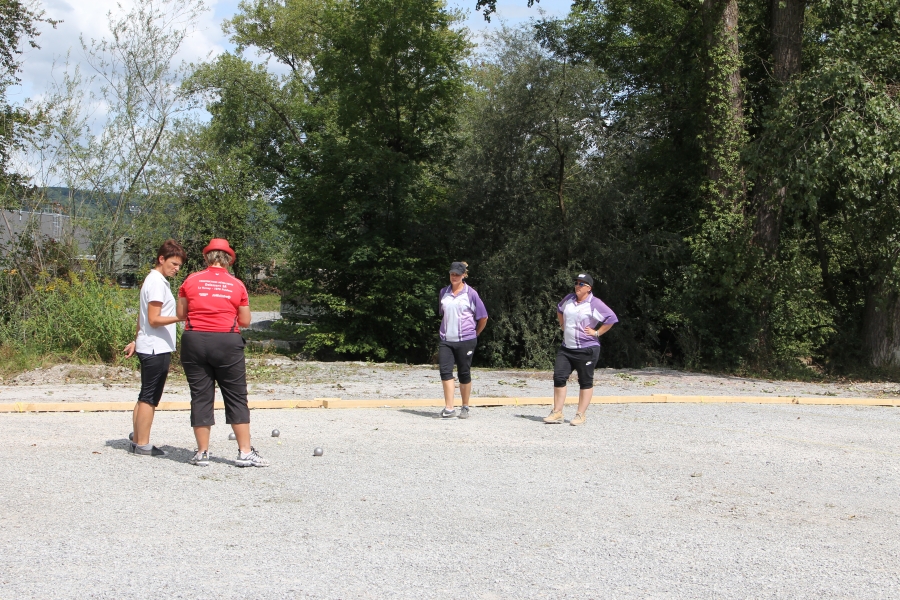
x=832, y=138
x=80, y=315
x=18, y=23
x=120, y=171
x=546, y=189
x=644, y=141
x=356, y=140
x=385, y=307
x=215, y=193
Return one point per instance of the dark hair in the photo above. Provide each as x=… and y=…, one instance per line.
x=169, y=249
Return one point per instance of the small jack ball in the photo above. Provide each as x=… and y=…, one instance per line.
x=231, y=436
x=131, y=437
x=275, y=433
x=318, y=452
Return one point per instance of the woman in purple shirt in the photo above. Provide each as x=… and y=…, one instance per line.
x=463, y=318
x=583, y=319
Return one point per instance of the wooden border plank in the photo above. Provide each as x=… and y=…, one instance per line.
x=381, y=403
x=21, y=407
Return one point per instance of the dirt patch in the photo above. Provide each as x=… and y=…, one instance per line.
x=68, y=373
x=280, y=378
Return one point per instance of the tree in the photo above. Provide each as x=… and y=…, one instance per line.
x=18, y=22
x=786, y=43
x=357, y=139
x=221, y=196
x=113, y=164
x=838, y=156
x=547, y=187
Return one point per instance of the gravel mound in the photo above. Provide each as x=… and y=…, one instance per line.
x=280, y=378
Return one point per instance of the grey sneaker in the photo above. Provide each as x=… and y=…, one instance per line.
x=446, y=414
x=201, y=459
x=251, y=460
x=464, y=412
x=153, y=451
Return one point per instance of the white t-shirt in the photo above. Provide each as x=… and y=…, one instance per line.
x=156, y=340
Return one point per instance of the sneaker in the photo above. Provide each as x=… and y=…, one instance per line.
x=464, y=412
x=554, y=417
x=201, y=459
x=153, y=451
x=578, y=420
x=446, y=414
x=251, y=460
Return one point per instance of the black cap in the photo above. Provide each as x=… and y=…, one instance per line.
x=458, y=268
x=585, y=278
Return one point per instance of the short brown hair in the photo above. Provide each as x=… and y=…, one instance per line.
x=218, y=257
x=169, y=249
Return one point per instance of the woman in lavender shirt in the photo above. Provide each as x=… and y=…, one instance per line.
x=583, y=319
x=463, y=318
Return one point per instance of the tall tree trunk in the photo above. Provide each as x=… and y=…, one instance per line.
x=787, y=46
x=787, y=38
x=881, y=328
x=724, y=105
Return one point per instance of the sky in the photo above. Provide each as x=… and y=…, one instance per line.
x=87, y=19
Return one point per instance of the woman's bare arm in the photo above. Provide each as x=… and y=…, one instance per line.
x=153, y=310
x=243, y=316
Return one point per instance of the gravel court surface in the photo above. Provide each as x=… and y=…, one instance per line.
x=645, y=501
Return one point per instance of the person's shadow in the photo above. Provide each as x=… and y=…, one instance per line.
x=531, y=418
x=421, y=413
x=179, y=455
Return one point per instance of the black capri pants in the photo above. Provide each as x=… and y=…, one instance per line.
x=460, y=353
x=581, y=360
x=209, y=358
x=154, y=372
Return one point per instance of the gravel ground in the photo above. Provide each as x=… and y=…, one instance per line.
x=645, y=501
x=275, y=377
x=280, y=378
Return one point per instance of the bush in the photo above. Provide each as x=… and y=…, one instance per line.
x=80, y=315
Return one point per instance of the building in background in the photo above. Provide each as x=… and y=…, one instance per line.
x=55, y=227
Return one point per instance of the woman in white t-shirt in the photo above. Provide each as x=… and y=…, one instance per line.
x=155, y=342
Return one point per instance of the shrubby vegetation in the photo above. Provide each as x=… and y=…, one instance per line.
x=727, y=172
x=80, y=316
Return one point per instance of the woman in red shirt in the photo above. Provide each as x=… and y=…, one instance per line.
x=214, y=306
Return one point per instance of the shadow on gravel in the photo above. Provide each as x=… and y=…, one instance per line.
x=532, y=418
x=421, y=413
x=179, y=455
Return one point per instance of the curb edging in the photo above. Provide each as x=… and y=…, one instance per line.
x=333, y=403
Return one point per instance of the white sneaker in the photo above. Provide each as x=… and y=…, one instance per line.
x=251, y=460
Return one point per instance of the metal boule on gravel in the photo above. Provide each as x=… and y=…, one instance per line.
x=318, y=452
x=131, y=437
x=275, y=433
x=231, y=436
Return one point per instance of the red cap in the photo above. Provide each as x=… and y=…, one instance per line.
x=219, y=244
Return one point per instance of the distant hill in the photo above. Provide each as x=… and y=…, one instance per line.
x=58, y=199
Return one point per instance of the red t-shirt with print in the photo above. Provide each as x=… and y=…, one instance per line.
x=213, y=296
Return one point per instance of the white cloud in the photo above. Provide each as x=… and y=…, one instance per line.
x=88, y=20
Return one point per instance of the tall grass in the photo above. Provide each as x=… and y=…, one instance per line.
x=79, y=315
